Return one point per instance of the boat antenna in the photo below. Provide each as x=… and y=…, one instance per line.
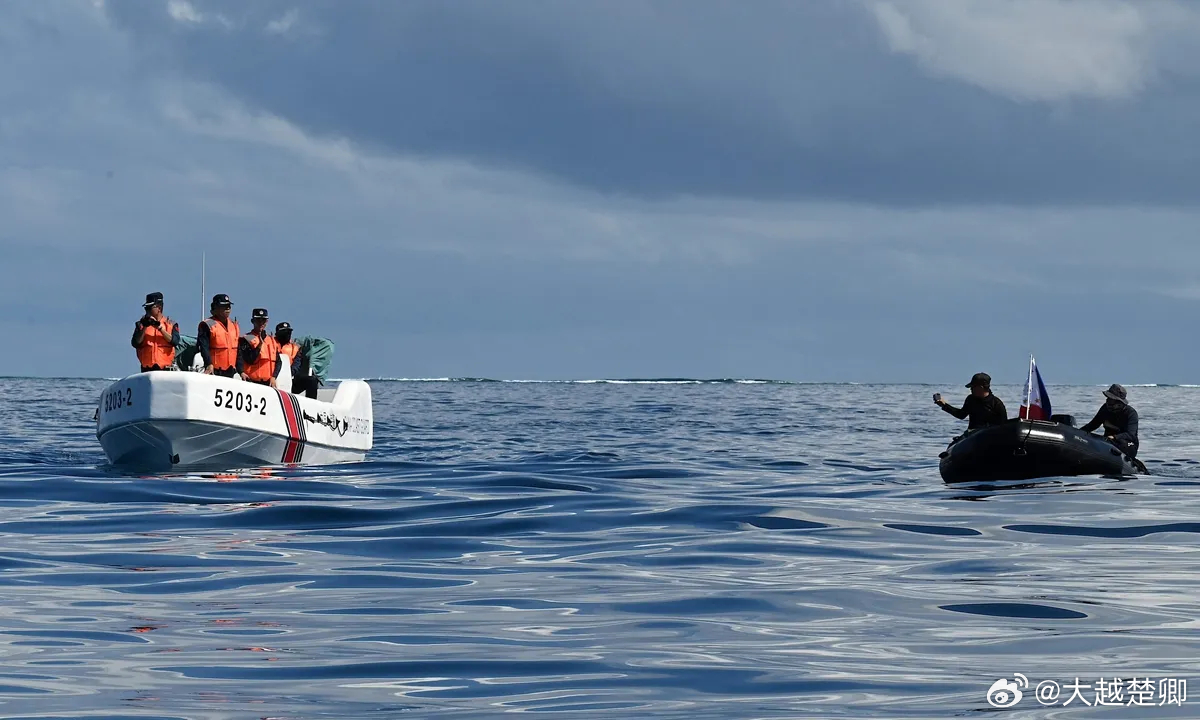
x=203, y=294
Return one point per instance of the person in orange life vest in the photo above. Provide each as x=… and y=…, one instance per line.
x=301, y=383
x=259, y=351
x=217, y=340
x=155, y=336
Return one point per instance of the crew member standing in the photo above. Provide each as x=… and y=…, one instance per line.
x=155, y=336
x=303, y=381
x=259, y=351
x=217, y=340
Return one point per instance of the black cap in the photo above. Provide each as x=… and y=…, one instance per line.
x=1115, y=392
x=980, y=379
x=222, y=299
x=285, y=325
x=154, y=298
x=259, y=313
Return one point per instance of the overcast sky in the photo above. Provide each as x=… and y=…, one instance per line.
x=833, y=190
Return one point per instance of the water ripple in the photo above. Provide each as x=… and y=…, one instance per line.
x=667, y=550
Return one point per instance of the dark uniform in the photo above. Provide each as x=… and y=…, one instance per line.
x=303, y=383
x=1120, y=421
x=982, y=411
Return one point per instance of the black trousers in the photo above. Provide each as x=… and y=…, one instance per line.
x=1128, y=448
x=227, y=372
x=306, y=384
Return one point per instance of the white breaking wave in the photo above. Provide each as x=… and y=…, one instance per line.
x=396, y=379
x=597, y=381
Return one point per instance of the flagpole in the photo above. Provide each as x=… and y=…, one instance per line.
x=1029, y=389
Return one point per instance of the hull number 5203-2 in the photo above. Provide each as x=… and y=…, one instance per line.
x=118, y=399
x=244, y=402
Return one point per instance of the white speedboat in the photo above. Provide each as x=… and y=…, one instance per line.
x=178, y=420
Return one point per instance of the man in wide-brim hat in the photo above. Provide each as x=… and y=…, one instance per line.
x=1119, y=419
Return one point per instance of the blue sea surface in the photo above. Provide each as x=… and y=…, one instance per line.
x=668, y=550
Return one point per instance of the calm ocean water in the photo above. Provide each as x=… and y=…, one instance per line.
x=625, y=550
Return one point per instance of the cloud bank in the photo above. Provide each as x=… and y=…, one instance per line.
x=862, y=191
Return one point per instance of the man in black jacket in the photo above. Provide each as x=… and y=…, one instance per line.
x=982, y=407
x=1120, y=421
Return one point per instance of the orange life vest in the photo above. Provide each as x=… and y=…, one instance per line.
x=156, y=348
x=291, y=349
x=262, y=369
x=222, y=343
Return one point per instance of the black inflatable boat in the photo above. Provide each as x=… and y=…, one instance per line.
x=1027, y=449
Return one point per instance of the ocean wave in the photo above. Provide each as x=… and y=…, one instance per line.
x=682, y=550
x=596, y=381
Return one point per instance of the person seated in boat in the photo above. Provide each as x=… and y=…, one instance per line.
x=302, y=380
x=259, y=351
x=155, y=336
x=217, y=340
x=981, y=407
x=1119, y=419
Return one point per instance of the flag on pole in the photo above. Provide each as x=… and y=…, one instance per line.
x=1037, y=402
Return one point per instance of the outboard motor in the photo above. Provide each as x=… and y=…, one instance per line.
x=1068, y=420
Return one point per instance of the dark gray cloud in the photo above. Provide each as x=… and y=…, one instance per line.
x=133, y=141
x=659, y=98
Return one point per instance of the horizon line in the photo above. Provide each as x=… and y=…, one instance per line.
x=635, y=380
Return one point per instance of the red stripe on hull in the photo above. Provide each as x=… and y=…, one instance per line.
x=294, y=447
x=299, y=413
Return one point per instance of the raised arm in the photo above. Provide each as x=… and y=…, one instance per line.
x=1094, y=422
x=960, y=413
